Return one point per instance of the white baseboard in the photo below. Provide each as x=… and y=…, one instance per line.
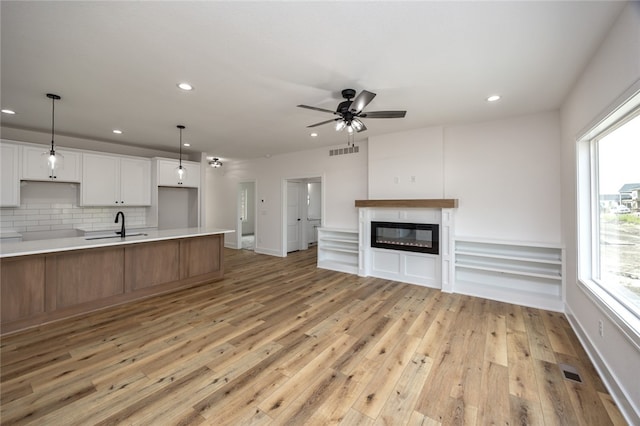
x=630, y=413
x=270, y=252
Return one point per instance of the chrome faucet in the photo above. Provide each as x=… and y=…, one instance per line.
x=122, y=232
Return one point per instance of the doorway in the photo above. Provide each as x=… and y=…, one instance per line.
x=303, y=207
x=246, y=225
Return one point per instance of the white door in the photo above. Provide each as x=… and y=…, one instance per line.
x=293, y=216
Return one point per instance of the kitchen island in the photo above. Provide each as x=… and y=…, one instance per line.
x=47, y=280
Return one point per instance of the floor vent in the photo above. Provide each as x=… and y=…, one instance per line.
x=342, y=151
x=570, y=373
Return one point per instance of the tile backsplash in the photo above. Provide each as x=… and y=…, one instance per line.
x=53, y=206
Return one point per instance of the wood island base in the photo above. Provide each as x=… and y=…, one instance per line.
x=41, y=288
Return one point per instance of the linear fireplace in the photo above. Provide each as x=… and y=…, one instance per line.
x=416, y=237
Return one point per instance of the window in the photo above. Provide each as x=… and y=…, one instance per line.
x=616, y=257
x=244, y=212
x=609, y=212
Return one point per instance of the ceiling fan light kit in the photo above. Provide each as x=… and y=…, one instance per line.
x=215, y=163
x=350, y=112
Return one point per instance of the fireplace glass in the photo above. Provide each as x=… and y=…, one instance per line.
x=417, y=237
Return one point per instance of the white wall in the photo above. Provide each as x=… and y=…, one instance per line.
x=406, y=165
x=505, y=174
x=613, y=69
x=177, y=207
x=344, y=179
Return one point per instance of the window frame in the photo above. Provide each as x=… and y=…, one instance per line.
x=588, y=219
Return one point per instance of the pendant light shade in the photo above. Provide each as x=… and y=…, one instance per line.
x=53, y=160
x=181, y=172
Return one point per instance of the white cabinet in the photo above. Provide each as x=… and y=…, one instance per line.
x=526, y=274
x=34, y=166
x=115, y=181
x=167, y=173
x=9, y=175
x=338, y=249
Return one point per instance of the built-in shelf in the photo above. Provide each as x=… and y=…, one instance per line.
x=338, y=249
x=529, y=274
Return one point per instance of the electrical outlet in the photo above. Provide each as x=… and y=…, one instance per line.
x=600, y=328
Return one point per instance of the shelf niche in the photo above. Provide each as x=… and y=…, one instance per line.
x=528, y=274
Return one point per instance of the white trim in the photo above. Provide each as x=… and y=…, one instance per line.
x=624, y=403
x=586, y=169
x=270, y=252
x=617, y=313
x=283, y=205
x=620, y=107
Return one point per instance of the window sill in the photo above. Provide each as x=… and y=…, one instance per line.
x=626, y=321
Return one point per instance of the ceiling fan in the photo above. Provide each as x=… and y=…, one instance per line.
x=350, y=112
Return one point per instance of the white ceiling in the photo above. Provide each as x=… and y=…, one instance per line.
x=116, y=65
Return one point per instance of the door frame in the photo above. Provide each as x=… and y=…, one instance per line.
x=254, y=207
x=304, y=179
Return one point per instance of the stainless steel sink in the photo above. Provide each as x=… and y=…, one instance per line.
x=104, y=237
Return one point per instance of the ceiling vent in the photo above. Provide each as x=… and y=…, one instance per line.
x=342, y=151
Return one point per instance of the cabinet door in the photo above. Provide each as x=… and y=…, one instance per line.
x=193, y=175
x=100, y=180
x=167, y=174
x=10, y=176
x=135, y=181
x=34, y=166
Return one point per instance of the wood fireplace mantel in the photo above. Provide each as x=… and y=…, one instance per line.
x=437, y=203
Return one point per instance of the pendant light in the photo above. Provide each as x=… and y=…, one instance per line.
x=54, y=160
x=181, y=172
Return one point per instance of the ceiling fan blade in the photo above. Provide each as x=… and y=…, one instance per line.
x=324, y=122
x=317, y=109
x=362, y=100
x=384, y=114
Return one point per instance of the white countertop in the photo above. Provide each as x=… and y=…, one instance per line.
x=23, y=248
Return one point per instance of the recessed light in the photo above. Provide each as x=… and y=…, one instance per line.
x=493, y=98
x=314, y=135
x=186, y=144
x=185, y=86
x=117, y=132
x=8, y=111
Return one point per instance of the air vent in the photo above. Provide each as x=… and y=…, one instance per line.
x=342, y=151
x=570, y=373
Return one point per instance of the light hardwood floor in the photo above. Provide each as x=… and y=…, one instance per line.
x=279, y=341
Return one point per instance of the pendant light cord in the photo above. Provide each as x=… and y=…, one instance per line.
x=180, y=148
x=53, y=121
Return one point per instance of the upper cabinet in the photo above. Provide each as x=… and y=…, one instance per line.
x=9, y=175
x=167, y=173
x=115, y=181
x=34, y=166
